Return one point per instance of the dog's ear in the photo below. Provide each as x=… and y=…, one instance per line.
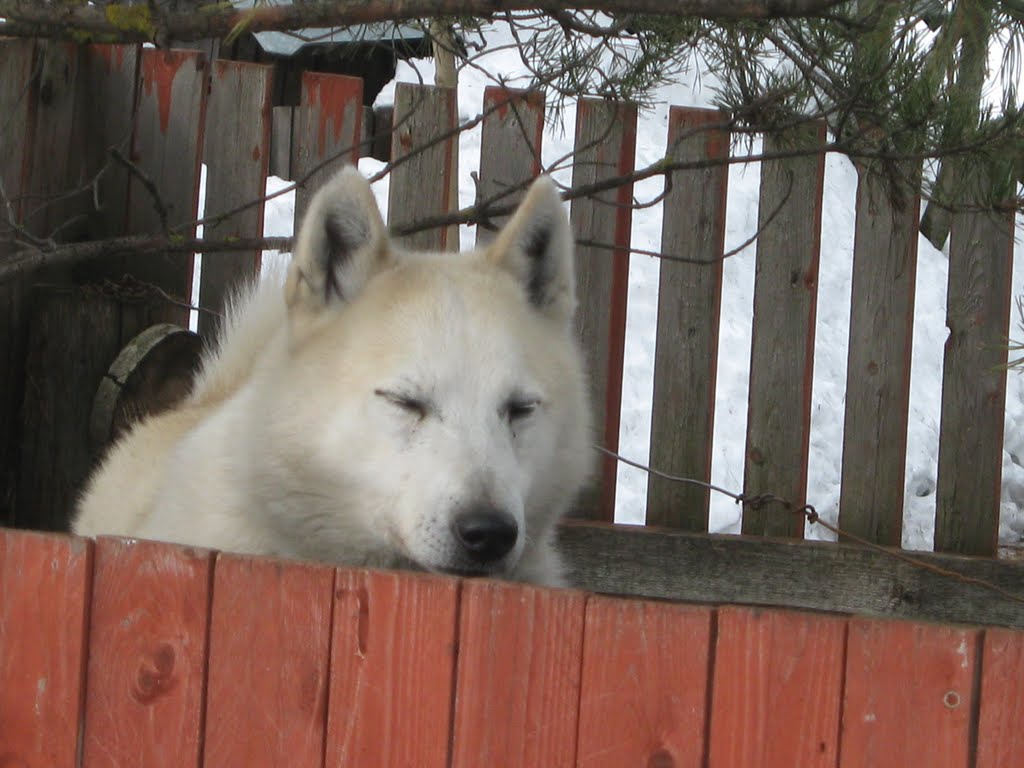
x=342, y=242
x=536, y=246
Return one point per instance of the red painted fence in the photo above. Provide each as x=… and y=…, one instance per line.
x=125, y=653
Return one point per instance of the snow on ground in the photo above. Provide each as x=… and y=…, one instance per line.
x=832, y=330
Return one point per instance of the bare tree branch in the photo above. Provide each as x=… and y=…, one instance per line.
x=117, y=22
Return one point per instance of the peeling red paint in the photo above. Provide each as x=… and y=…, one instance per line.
x=333, y=97
x=159, y=70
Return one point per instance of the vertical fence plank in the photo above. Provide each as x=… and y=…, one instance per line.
x=782, y=344
x=605, y=148
x=517, y=692
x=642, y=697
x=147, y=655
x=51, y=174
x=72, y=341
x=778, y=682
x=1000, y=735
x=237, y=153
x=878, y=368
x=510, y=146
x=109, y=78
x=392, y=669
x=421, y=184
x=44, y=615
x=974, y=383
x=328, y=126
x=908, y=697
x=270, y=631
x=689, y=303
x=17, y=59
x=167, y=148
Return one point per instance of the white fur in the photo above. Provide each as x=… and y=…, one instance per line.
x=302, y=436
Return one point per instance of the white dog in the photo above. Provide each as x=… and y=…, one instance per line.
x=381, y=407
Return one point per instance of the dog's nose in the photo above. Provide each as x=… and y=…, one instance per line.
x=487, y=534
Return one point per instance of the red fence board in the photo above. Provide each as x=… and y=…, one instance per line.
x=392, y=669
x=778, y=683
x=643, y=694
x=1001, y=714
x=147, y=655
x=266, y=697
x=518, y=682
x=44, y=611
x=908, y=697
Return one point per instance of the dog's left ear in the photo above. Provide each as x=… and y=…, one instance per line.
x=536, y=246
x=342, y=242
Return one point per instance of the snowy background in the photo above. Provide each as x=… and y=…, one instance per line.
x=833, y=315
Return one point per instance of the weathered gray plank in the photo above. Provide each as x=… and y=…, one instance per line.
x=782, y=344
x=327, y=129
x=167, y=148
x=281, y=142
x=605, y=148
x=74, y=333
x=108, y=81
x=676, y=565
x=237, y=153
x=17, y=105
x=421, y=180
x=974, y=381
x=878, y=368
x=510, y=146
x=689, y=300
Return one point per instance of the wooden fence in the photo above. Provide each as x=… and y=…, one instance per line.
x=168, y=111
x=146, y=654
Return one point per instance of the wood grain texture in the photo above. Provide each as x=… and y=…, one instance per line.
x=908, y=697
x=643, y=693
x=510, y=146
x=782, y=343
x=421, y=185
x=778, y=684
x=327, y=129
x=237, y=154
x=392, y=669
x=270, y=637
x=147, y=655
x=1000, y=736
x=627, y=559
x=44, y=616
x=605, y=148
x=73, y=338
x=167, y=147
x=689, y=304
x=518, y=683
x=16, y=66
x=878, y=367
x=974, y=383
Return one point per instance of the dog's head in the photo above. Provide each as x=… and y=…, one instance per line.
x=434, y=407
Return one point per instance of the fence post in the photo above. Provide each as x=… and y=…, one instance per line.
x=974, y=376
x=237, y=153
x=782, y=345
x=421, y=178
x=510, y=147
x=605, y=149
x=689, y=303
x=878, y=368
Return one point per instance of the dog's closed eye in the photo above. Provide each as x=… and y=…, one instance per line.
x=411, y=405
x=518, y=409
